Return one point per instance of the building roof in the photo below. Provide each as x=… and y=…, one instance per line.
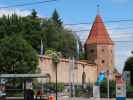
x=98, y=33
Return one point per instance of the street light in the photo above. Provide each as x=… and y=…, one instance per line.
x=108, y=84
x=55, y=60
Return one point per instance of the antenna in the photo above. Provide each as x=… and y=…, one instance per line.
x=98, y=9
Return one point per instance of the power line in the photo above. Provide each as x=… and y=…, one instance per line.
x=27, y=4
x=111, y=21
x=126, y=41
x=116, y=41
x=69, y=24
x=117, y=28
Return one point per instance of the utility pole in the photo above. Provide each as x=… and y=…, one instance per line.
x=73, y=76
x=56, y=81
x=108, y=82
x=56, y=60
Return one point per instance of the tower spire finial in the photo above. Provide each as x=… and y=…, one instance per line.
x=98, y=9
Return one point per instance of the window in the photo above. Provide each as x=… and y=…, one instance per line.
x=102, y=50
x=103, y=61
x=91, y=50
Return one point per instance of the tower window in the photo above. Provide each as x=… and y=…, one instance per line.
x=103, y=61
x=91, y=50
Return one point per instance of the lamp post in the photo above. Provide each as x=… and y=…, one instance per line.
x=108, y=84
x=56, y=60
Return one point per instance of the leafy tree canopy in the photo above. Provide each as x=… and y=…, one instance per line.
x=34, y=29
x=129, y=67
x=56, y=18
x=34, y=14
x=17, y=56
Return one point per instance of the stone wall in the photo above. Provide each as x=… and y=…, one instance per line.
x=65, y=73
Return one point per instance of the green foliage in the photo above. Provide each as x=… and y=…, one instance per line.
x=60, y=39
x=103, y=88
x=129, y=91
x=129, y=67
x=34, y=14
x=83, y=92
x=21, y=36
x=55, y=57
x=78, y=92
x=34, y=29
x=17, y=56
x=55, y=18
x=82, y=56
x=130, y=88
x=49, y=51
x=60, y=86
x=10, y=25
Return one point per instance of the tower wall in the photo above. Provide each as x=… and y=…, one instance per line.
x=100, y=54
x=91, y=53
x=105, y=57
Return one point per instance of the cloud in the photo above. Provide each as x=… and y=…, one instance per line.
x=16, y=11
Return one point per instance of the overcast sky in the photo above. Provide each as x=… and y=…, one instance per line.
x=76, y=11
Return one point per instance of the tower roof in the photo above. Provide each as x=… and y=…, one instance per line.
x=98, y=33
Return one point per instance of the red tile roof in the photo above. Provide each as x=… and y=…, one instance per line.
x=98, y=33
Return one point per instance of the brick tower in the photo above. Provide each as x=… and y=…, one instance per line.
x=99, y=46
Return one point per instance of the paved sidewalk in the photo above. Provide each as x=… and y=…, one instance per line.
x=67, y=98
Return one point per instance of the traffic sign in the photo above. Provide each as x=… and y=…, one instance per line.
x=120, y=89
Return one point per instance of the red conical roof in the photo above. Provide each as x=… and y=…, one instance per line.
x=98, y=33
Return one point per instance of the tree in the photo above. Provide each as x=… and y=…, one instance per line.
x=60, y=39
x=56, y=19
x=34, y=29
x=129, y=67
x=10, y=25
x=17, y=56
x=34, y=38
x=103, y=88
x=33, y=14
